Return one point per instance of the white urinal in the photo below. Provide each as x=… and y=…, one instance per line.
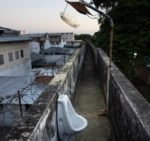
x=69, y=122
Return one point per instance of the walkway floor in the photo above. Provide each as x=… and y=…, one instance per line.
x=89, y=102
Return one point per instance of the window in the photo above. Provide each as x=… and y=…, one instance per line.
x=1, y=59
x=17, y=54
x=22, y=54
x=10, y=56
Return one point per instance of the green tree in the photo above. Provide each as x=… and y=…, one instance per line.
x=131, y=33
x=83, y=37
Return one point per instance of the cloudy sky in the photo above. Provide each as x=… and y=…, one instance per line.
x=42, y=16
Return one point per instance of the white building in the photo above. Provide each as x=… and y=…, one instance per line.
x=47, y=40
x=15, y=58
x=16, y=75
x=60, y=39
x=39, y=42
x=55, y=40
x=68, y=36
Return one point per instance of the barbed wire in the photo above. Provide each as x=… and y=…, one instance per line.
x=10, y=111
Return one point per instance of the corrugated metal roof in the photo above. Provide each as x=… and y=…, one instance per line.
x=36, y=35
x=10, y=84
x=14, y=39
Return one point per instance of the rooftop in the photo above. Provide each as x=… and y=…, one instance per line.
x=9, y=85
x=34, y=35
x=28, y=86
x=14, y=39
x=36, y=56
x=4, y=28
x=7, y=31
x=30, y=90
x=41, y=61
x=58, y=50
x=28, y=95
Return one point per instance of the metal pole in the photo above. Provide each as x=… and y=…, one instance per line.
x=20, y=105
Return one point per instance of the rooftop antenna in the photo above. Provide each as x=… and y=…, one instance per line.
x=67, y=19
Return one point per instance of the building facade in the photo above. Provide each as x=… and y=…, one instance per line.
x=15, y=58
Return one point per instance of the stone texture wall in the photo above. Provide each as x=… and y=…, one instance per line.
x=39, y=123
x=129, y=112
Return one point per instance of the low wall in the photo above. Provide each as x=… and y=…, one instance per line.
x=39, y=123
x=129, y=112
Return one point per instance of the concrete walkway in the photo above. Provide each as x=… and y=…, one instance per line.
x=89, y=102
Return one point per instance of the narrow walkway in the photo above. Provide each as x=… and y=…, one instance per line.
x=89, y=102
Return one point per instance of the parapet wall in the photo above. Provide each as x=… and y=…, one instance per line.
x=39, y=123
x=129, y=112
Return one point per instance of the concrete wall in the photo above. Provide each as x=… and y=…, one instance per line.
x=17, y=67
x=39, y=123
x=129, y=112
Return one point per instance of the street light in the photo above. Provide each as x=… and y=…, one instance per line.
x=80, y=6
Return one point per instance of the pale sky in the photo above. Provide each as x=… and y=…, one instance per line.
x=42, y=16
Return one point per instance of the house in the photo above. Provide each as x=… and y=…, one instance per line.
x=55, y=40
x=68, y=37
x=15, y=58
x=44, y=41
x=73, y=44
x=20, y=85
x=39, y=42
x=60, y=39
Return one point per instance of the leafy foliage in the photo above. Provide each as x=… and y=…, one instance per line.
x=131, y=34
x=105, y=3
x=83, y=37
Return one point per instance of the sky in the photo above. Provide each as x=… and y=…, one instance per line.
x=37, y=16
